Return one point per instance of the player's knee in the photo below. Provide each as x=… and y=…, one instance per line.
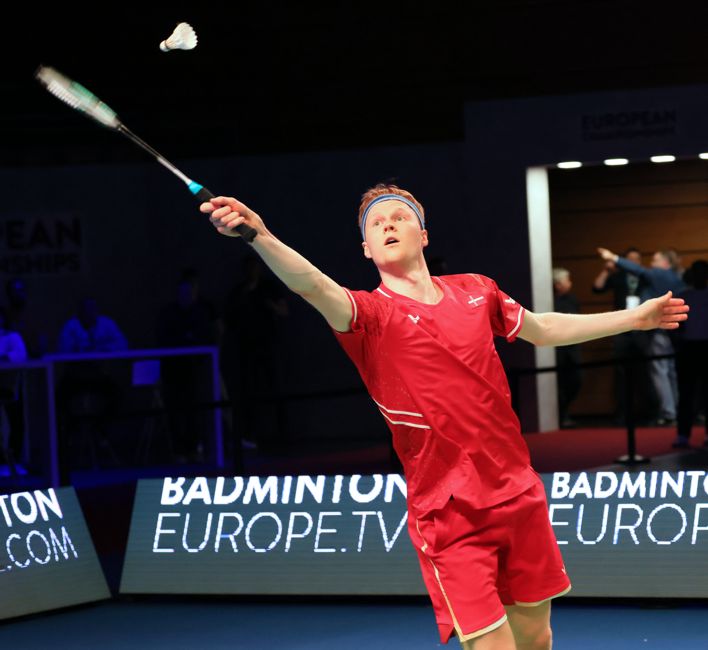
x=535, y=638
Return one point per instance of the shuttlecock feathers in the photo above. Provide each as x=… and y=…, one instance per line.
x=182, y=38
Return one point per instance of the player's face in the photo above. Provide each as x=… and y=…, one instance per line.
x=393, y=234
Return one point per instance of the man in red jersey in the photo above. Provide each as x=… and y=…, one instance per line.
x=424, y=347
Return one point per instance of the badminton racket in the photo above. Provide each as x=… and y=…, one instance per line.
x=84, y=101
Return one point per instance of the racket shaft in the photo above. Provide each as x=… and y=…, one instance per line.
x=202, y=193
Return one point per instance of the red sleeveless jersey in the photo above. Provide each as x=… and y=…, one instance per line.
x=435, y=375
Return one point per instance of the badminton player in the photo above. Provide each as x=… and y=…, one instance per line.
x=477, y=512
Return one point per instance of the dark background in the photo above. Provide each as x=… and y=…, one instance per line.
x=267, y=81
x=296, y=108
x=275, y=76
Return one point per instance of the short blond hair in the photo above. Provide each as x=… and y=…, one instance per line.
x=381, y=189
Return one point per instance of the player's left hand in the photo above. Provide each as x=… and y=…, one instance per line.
x=664, y=312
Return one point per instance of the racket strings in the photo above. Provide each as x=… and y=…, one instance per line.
x=77, y=97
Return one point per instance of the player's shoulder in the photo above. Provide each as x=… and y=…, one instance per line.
x=375, y=300
x=377, y=294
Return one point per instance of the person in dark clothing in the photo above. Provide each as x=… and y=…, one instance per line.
x=628, y=347
x=23, y=320
x=660, y=277
x=188, y=321
x=691, y=343
x=624, y=285
x=567, y=356
x=255, y=306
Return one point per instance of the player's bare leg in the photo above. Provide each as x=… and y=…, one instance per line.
x=500, y=639
x=531, y=626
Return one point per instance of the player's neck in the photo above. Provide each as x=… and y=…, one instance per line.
x=416, y=284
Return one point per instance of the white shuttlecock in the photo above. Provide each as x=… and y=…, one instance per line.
x=183, y=38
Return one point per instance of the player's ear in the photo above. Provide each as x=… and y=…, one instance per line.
x=424, y=238
x=367, y=252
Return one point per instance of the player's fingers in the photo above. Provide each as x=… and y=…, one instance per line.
x=221, y=200
x=206, y=207
x=219, y=213
x=235, y=204
x=232, y=220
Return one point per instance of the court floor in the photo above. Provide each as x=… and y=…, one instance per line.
x=382, y=625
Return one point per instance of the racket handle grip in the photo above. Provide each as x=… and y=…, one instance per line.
x=246, y=232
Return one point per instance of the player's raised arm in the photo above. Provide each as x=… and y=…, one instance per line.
x=551, y=328
x=298, y=274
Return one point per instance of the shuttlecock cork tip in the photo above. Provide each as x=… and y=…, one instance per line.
x=182, y=38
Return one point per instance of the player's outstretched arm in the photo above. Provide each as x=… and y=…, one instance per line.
x=555, y=329
x=298, y=274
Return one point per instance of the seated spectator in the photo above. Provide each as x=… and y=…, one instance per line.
x=12, y=347
x=90, y=331
x=86, y=391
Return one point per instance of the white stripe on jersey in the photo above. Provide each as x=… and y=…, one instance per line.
x=381, y=406
x=353, y=304
x=382, y=291
x=518, y=324
x=408, y=424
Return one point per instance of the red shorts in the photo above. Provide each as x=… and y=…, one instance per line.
x=476, y=561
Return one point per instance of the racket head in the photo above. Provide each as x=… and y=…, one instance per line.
x=75, y=95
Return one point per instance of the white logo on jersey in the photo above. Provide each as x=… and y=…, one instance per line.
x=510, y=301
x=415, y=319
x=475, y=301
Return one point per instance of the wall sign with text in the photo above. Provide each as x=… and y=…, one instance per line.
x=621, y=534
x=47, y=558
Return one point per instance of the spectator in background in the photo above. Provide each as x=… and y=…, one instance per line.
x=692, y=352
x=12, y=346
x=86, y=392
x=661, y=277
x=12, y=350
x=626, y=288
x=569, y=376
x=255, y=307
x=188, y=321
x=89, y=331
x=21, y=320
x=623, y=284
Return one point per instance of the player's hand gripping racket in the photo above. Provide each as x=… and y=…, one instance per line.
x=78, y=97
